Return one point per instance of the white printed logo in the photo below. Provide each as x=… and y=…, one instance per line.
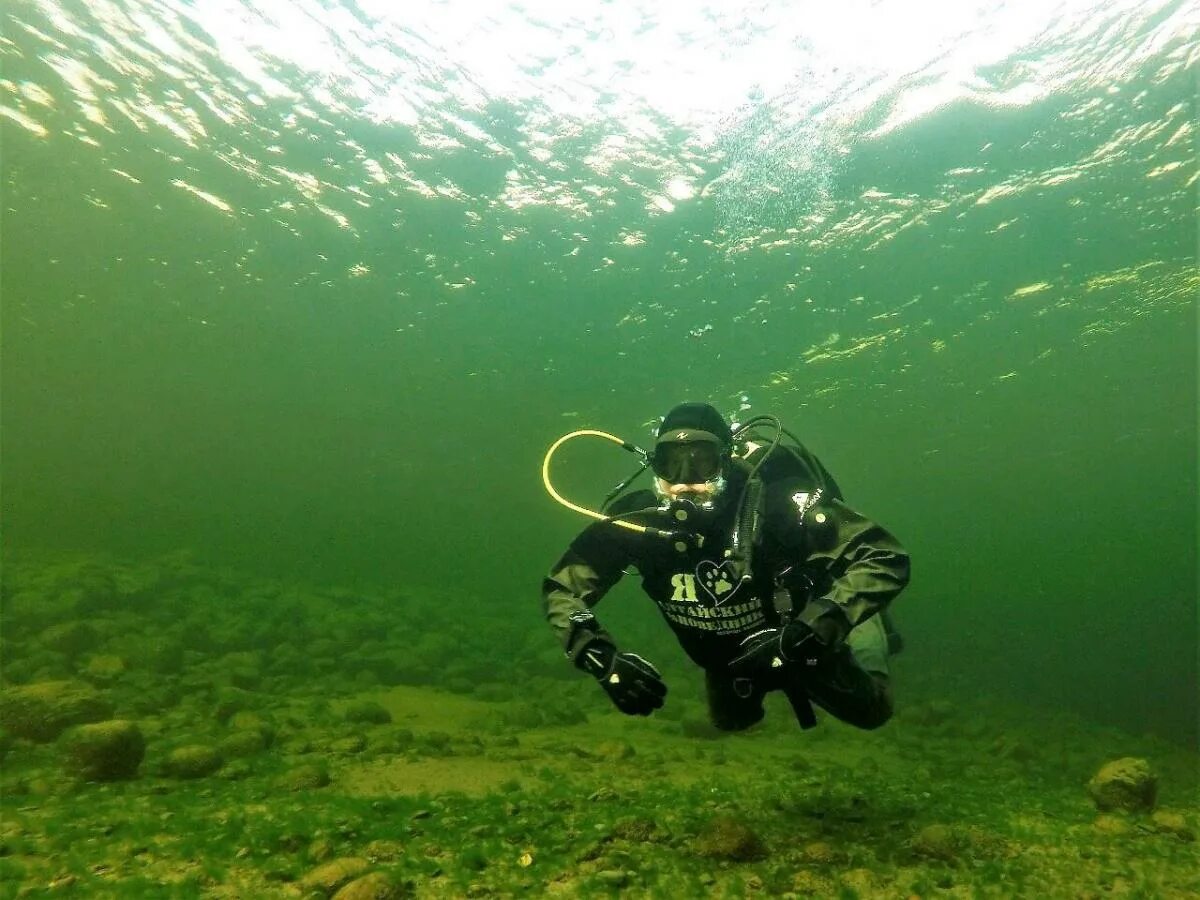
x=719, y=580
x=684, y=584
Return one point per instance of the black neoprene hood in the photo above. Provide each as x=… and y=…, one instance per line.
x=694, y=421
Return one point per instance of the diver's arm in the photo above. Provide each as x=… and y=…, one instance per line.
x=574, y=586
x=864, y=565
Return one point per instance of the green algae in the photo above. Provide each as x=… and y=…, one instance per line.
x=480, y=794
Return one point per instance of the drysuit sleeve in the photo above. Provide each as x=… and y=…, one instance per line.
x=855, y=565
x=577, y=582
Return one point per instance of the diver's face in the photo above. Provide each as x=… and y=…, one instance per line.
x=704, y=492
x=691, y=470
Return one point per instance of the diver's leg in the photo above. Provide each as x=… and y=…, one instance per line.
x=734, y=704
x=854, y=683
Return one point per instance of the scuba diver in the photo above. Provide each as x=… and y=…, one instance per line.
x=767, y=578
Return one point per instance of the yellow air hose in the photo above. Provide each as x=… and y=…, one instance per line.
x=587, y=432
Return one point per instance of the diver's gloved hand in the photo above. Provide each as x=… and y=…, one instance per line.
x=634, y=685
x=762, y=653
x=805, y=641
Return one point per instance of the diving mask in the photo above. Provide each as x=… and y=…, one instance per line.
x=688, y=456
x=689, y=466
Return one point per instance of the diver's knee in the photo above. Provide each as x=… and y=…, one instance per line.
x=875, y=718
x=733, y=704
x=879, y=711
x=872, y=709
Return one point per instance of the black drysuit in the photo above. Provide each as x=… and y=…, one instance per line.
x=816, y=557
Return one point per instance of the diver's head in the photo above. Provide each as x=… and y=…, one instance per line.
x=692, y=454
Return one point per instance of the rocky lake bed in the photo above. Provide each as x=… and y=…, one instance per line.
x=171, y=731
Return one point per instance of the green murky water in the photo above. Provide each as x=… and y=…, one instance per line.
x=305, y=290
x=309, y=287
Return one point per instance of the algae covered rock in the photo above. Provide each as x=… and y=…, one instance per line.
x=376, y=886
x=615, y=751
x=384, y=850
x=348, y=746
x=637, y=829
x=251, y=721
x=613, y=878
x=727, y=837
x=956, y=844
x=945, y=843
x=329, y=877
x=1113, y=826
x=159, y=653
x=303, y=778
x=367, y=712
x=103, y=668
x=192, y=761
x=1127, y=784
x=70, y=638
x=808, y=883
x=91, y=589
x=231, y=701
x=44, y=710
x=819, y=853
x=861, y=882
x=105, y=751
x=244, y=742
x=1169, y=821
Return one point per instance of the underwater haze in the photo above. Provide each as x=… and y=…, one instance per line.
x=303, y=291
x=309, y=288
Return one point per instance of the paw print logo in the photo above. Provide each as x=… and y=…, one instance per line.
x=718, y=580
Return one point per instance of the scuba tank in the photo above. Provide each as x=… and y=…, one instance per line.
x=769, y=458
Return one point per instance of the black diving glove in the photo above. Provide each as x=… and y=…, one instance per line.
x=634, y=685
x=806, y=643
